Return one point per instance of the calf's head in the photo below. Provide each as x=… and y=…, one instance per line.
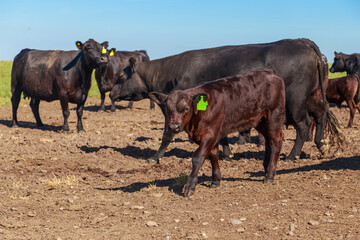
x=94, y=53
x=179, y=107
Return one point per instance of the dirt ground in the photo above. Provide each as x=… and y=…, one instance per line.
x=97, y=185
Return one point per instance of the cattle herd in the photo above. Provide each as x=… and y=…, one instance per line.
x=261, y=86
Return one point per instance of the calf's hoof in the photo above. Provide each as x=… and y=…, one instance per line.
x=14, y=125
x=189, y=193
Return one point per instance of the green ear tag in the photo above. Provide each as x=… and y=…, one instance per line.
x=201, y=105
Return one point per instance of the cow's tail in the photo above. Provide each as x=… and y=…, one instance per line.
x=333, y=136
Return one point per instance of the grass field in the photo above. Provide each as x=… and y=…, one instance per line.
x=5, y=79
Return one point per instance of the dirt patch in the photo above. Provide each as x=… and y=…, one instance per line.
x=97, y=184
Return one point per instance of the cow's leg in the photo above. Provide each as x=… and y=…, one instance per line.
x=227, y=154
x=130, y=105
x=207, y=144
x=243, y=137
x=66, y=112
x=261, y=140
x=302, y=124
x=102, y=106
x=317, y=109
x=15, y=100
x=214, y=158
x=79, y=112
x=166, y=139
x=34, y=104
x=152, y=105
x=112, y=109
x=350, y=102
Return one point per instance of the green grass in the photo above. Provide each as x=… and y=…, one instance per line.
x=5, y=80
x=5, y=83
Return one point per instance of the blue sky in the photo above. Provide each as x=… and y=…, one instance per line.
x=167, y=27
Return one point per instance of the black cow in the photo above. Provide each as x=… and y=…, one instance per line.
x=107, y=75
x=53, y=75
x=297, y=61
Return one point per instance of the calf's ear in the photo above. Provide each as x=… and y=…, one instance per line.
x=79, y=45
x=157, y=97
x=196, y=98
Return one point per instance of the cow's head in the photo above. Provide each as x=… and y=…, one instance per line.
x=94, y=53
x=106, y=74
x=130, y=85
x=339, y=64
x=179, y=107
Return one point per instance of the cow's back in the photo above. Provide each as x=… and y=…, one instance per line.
x=39, y=72
x=289, y=58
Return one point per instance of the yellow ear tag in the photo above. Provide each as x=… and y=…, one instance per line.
x=111, y=53
x=103, y=50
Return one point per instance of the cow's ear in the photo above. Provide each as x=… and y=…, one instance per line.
x=79, y=45
x=157, y=97
x=132, y=62
x=335, y=53
x=105, y=44
x=112, y=52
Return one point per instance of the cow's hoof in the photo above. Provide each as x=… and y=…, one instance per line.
x=228, y=158
x=188, y=193
x=215, y=185
x=81, y=131
x=324, y=149
x=112, y=110
x=268, y=180
x=152, y=109
x=101, y=110
x=152, y=160
x=14, y=125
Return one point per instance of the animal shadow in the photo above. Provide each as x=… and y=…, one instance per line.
x=137, y=152
x=351, y=163
x=172, y=184
x=32, y=125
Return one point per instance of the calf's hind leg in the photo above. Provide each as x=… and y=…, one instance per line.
x=214, y=159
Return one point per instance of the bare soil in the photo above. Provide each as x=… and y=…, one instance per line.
x=97, y=184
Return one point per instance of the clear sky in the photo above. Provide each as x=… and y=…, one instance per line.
x=167, y=27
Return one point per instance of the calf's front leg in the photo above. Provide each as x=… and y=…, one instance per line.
x=197, y=161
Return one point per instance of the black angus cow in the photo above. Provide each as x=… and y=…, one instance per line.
x=349, y=64
x=107, y=75
x=297, y=61
x=53, y=75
